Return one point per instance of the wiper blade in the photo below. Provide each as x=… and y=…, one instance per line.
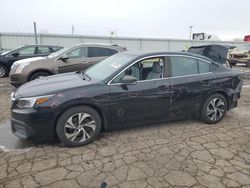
x=84, y=75
x=87, y=76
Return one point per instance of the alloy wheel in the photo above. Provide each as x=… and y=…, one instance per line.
x=2, y=72
x=215, y=109
x=79, y=127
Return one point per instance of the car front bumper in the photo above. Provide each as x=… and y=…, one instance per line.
x=17, y=80
x=33, y=124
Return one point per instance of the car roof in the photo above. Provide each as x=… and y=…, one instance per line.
x=37, y=45
x=109, y=45
x=143, y=54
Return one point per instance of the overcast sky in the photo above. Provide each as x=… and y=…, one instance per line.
x=228, y=19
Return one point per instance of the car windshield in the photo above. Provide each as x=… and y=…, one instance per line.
x=109, y=66
x=58, y=53
x=4, y=53
x=245, y=47
x=10, y=51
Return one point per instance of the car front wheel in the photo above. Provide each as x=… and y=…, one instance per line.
x=38, y=74
x=78, y=126
x=214, y=109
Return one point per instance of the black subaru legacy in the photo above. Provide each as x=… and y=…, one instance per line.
x=124, y=90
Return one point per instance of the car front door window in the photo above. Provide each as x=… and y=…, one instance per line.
x=77, y=53
x=148, y=69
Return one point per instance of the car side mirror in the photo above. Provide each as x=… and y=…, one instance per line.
x=64, y=57
x=128, y=80
x=15, y=54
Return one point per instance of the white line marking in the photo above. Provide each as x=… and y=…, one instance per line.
x=4, y=149
x=246, y=86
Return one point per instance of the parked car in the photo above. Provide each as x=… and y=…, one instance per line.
x=240, y=54
x=215, y=52
x=205, y=36
x=124, y=90
x=8, y=58
x=76, y=58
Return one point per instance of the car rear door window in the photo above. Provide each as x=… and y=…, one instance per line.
x=204, y=67
x=26, y=51
x=100, y=52
x=182, y=66
x=43, y=50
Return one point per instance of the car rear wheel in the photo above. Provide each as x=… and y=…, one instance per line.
x=214, y=109
x=39, y=74
x=78, y=126
x=3, y=71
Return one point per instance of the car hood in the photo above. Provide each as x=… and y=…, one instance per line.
x=29, y=60
x=52, y=85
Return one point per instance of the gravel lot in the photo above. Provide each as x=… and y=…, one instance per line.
x=176, y=154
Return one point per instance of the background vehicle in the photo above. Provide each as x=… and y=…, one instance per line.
x=158, y=86
x=204, y=36
x=217, y=53
x=76, y=58
x=240, y=54
x=247, y=38
x=8, y=58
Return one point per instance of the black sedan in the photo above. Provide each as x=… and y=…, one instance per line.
x=8, y=58
x=124, y=90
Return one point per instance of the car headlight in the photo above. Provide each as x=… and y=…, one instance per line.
x=14, y=67
x=19, y=67
x=29, y=102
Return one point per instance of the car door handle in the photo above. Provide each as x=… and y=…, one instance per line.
x=85, y=62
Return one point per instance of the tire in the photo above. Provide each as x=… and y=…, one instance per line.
x=38, y=74
x=3, y=71
x=71, y=134
x=212, y=114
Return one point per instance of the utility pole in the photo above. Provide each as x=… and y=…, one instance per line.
x=35, y=32
x=72, y=29
x=190, y=32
